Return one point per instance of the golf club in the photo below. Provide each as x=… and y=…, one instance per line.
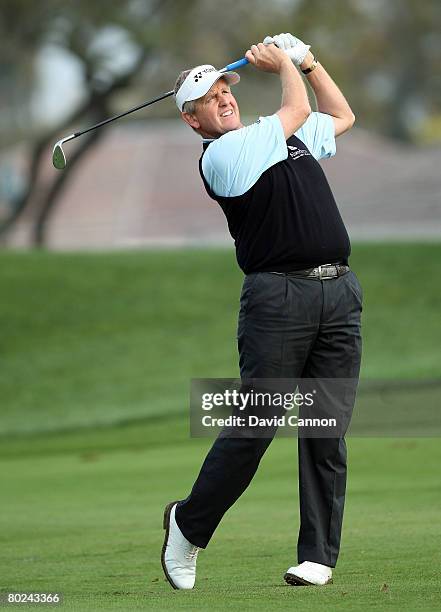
x=58, y=156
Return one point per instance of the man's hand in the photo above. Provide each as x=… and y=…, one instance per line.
x=295, y=108
x=292, y=46
x=267, y=57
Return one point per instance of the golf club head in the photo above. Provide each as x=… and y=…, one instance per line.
x=58, y=157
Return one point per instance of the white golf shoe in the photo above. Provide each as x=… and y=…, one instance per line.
x=308, y=574
x=178, y=556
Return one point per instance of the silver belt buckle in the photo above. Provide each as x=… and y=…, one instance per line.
x=331, y=272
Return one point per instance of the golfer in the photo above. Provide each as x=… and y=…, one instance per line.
x=300, y=303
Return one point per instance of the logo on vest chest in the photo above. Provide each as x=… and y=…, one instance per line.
x=296, y=153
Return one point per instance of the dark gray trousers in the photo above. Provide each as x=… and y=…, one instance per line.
x=289, y=327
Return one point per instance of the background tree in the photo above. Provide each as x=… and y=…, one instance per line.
x=84, y=30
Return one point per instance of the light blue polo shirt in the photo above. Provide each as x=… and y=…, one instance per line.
x=233, y=163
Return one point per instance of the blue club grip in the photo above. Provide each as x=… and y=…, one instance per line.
x=235, y=65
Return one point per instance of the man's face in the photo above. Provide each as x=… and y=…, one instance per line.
x=216, y=113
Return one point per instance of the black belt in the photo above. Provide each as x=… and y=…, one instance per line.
x=325, y=272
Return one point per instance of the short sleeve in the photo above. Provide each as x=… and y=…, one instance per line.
x=233, y=163
x=318, y=134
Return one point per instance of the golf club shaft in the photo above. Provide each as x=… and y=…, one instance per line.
x=233, y=66
x=132, y=110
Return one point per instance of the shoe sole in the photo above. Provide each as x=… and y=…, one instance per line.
x=166, y=526
x=294, y=580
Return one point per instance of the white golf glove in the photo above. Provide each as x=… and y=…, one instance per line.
x=293, y=47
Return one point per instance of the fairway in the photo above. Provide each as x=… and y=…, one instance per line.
x=97, y=355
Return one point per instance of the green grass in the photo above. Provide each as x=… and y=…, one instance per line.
x=98, y=338
x=87, y=522
x=96, y=355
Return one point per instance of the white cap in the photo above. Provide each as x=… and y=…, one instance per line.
x=199, y=81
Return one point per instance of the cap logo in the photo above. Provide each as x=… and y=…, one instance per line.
x=198, y=76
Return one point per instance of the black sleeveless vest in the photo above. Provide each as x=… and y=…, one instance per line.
x=288, y=220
